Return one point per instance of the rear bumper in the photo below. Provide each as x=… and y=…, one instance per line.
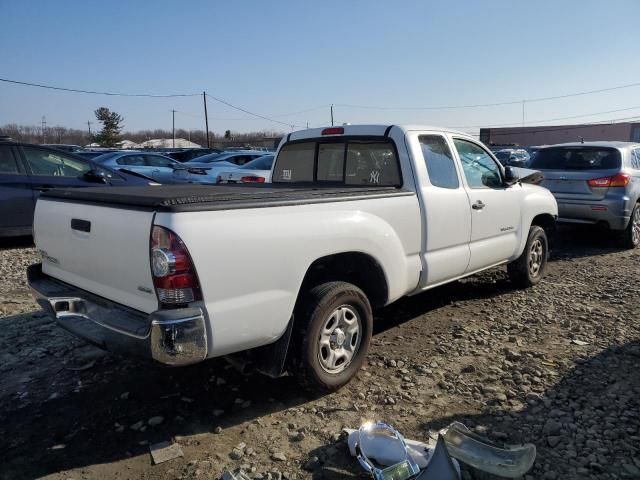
x=612, y=212
x=172, y=337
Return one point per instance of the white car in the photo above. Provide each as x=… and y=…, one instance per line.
x=205, y=169
x=256, y=171
x=356, y=218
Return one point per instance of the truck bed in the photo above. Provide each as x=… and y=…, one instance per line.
x=188, y=198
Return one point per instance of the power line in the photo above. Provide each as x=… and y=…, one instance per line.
x=120, y=94
x=112, y=94
x=224, y=102
x=550, y=119
x=496, y=104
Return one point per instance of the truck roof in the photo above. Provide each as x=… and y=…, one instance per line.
x=373, y=130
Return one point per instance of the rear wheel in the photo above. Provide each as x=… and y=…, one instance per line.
x=333, y=332
x=528, y=269
x=631, y=234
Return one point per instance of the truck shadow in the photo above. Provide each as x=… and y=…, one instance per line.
x=590, y=416
x=587, y=424
x=11, y=243
x=577, y=241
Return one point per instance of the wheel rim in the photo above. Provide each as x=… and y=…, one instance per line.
x=339, y=339
x=536, y=257
x=635, y=226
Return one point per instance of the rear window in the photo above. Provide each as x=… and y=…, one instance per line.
x=576, y=158
x=350, y=161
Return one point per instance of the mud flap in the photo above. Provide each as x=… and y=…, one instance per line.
x=269, y=359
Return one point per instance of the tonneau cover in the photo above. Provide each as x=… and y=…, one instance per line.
x=215, y=197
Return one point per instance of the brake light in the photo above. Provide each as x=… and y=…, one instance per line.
x=174, y=276
x=252, y=179
x=333, y=131
x=619, y=180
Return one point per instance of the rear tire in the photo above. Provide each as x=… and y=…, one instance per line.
x=332, y=335
x=528, y=269
x=631, y=234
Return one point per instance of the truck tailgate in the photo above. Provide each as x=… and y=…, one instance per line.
x=97, y=248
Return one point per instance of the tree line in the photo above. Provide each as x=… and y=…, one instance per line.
x=110, y=134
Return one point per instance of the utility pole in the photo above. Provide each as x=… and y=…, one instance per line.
x=89, y=127
x=206, y=117
x=44, y=129
x=173, y=127
x=332, y=114
x=523, y=112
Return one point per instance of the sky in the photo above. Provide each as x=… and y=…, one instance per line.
x=289, y=60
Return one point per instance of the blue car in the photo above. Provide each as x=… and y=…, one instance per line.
x=152, y=165
x=26, y=170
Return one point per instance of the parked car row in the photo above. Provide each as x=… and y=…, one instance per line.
x=26, y=170
x=594, y=183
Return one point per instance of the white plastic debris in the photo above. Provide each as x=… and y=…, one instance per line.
x=165, y=451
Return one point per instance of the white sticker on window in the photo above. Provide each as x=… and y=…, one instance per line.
x=374, y=177
x=286, y=174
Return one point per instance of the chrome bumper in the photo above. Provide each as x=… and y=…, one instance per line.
x=173, y=337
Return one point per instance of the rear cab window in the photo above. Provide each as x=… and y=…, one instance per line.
x=354, y=161
x=577, y=158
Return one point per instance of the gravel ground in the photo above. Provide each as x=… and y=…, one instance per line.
x=555, y=365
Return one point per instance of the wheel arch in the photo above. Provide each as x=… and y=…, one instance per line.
x=548, y=223
x=360, y=269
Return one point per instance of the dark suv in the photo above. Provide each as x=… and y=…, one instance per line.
x=26, y=170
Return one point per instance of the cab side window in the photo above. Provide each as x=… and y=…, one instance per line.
x=439, y=160
x=480, y=170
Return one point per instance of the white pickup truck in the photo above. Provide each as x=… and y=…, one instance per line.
x=288, y=273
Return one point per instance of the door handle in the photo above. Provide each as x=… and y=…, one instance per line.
x=479, y=205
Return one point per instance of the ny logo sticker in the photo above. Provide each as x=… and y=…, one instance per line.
x=374, y=177
x=286, y=174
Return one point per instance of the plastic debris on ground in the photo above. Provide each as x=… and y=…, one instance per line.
x=484, y=455
x=460, y=445
x=165, y=451
x=440, y=466
x=237, y=475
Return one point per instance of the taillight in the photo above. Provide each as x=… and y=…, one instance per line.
x=174, y=276
x=619, y=180
x=252, y=179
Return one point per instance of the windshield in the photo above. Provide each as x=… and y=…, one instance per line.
x=503, y=155
x=260, y=163
x=576, y=158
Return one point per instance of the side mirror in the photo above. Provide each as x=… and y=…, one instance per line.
x=95, y=176
x=510, y=177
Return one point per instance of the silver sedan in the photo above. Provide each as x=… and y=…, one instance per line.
x=152, y=165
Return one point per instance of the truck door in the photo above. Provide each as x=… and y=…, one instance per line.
x=495, y=208
x=445, y=207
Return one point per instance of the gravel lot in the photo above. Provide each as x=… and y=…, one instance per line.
x=511, y=364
